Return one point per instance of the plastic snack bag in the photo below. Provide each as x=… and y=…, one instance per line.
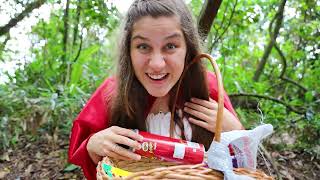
x=243, y=144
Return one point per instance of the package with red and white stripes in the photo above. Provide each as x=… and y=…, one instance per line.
x=170, y=149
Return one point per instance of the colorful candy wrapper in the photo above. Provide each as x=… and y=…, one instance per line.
x=113, y=171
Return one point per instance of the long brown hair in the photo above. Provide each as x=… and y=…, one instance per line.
x=131, y=99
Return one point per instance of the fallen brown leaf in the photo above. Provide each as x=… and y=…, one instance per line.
x=4, y=172
x=38, y=155
x=28, y=171
x=5, y=157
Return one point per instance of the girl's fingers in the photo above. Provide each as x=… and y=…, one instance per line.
x=124, y=152
x=125, y=141
x=197, y=114
x=128, y=133
x=198, y=107
x=211, y=104
x=115, y=155
x=201, y=124
x=211, y=100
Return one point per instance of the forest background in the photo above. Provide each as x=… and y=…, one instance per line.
x=268, y=52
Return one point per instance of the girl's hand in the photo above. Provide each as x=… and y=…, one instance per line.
x=206, y=115
x=107, y=143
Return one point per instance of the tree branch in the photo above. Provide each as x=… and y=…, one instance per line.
x=273, y=163
x=216, y=34
x=14, y=21
x=75, y=30
x=227, y=27
x=268, y=98
x=282, y=76
x=3, y=45
x=271, y=24
x=273, y=38
x=275, y=85
x=208, y=13
x=79, y=50
x=70, y=66
x=283, y=58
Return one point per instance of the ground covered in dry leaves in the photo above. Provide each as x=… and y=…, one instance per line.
x=40, y=159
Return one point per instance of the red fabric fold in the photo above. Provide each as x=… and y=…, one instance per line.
x=92, y=118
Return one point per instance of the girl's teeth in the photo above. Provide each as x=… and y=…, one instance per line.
x=158, y=76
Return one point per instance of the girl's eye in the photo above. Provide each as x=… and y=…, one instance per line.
x=142, y=46
x=171, y=46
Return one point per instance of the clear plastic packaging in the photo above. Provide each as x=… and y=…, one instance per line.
x=237, y=148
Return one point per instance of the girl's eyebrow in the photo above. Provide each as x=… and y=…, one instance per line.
x=174, y=35
x=139, y=37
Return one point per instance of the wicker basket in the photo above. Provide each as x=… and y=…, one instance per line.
x=156, y=169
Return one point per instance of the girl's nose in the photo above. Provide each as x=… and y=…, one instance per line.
x=157, y=62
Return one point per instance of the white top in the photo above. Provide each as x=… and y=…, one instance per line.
x=160, y=124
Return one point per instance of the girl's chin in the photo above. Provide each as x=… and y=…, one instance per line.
x=157, y=93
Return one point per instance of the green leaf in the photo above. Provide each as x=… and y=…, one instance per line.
x=308, y=96
x=70, y=168
x=78, y=66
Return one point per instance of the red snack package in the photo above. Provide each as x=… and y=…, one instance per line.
x=170, y=149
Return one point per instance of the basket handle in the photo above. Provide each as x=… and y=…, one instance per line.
x=220, y=95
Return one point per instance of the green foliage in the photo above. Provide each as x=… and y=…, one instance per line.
x=196, y=6
x=34, y=110
x=239, y=37
x=43, y=96
x=78, y=66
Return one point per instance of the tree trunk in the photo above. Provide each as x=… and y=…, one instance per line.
x=208, y=13
x=273, y=37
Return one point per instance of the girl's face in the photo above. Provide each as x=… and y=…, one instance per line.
x=158, y=51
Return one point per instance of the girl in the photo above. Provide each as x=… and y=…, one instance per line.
x=159, y=39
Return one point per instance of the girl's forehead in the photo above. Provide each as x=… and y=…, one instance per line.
x=160, y=26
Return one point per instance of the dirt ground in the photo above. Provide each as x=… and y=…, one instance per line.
x=43, y=160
